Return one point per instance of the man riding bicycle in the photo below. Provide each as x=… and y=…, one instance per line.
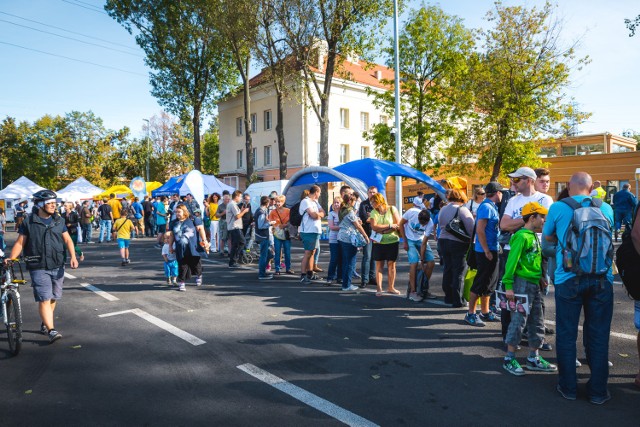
x=43, y=236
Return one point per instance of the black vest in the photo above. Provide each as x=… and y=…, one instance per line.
x=44, y=247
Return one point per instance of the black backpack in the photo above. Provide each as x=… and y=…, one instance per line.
x=295, y=218
x=628, y=262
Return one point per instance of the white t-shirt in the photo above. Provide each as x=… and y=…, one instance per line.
x=165, y=251
x=310, y=225
x=412, y=228
x=473, y=206
x=428, y=230
x=517, y=202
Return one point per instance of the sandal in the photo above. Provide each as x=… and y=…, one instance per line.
x=378, y=293
x=394, y=291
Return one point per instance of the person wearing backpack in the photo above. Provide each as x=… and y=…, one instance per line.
x=583, y=277
x=263, y=226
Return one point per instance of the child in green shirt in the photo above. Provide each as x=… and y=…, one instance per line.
x=522, y=275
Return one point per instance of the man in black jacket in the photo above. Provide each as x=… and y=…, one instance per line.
x=43, y=236
x=367, y=267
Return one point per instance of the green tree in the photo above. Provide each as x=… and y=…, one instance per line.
x=518, y=87
x=433, y=48
x=171, y=150
x=632, y=25
x=211, y=149
x=19, y=156
x=187, y=53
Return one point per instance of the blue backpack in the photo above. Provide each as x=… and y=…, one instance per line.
x=588, y=246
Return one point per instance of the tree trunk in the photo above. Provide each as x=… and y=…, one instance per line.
x=324, y=117
x=497, y=165
x=280, y=133
x=196, y=138
x=247, y=122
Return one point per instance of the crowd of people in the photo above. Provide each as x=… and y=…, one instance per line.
x=509, y=244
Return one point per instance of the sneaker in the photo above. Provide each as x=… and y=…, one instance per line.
x=600, y=400
x=578, y=364
x=304, y=279
x=198, y=280
x=266, y=277
x=495, y=310
x=329, y=282
x=539, y=364
x=565, y=395
x=355, y=275
x=351, y=288
x=513, y=367
x=549, y=331
x=415, y=297
x=489, y=317
x=43, y=329
x=182, y=287
x=430, y=295
x=234, y=266
x=546, y=346
x=157, y=246
x=123, y=263
x=128, y=261
x=314, y=277
x=169, y=281
x=290, y=272
x=473, y=320
x=362, y=285
x=54, y=335
x=175, y=281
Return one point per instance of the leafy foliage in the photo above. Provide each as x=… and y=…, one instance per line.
x=632, y=25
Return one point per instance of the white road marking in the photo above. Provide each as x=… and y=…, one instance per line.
x=69, y=276
x=322, y=405
x=191, y=339
x=98, y=291
x=613, y=334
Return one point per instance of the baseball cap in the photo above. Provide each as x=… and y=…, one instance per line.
x=492, y=187
x=523, y=172
x=534, y=208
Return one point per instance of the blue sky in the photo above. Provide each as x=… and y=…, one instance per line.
x=35, y=83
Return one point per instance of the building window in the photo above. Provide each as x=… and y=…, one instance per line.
x=569, y=150
x=585, y=149
x=364, y=122
x=548, y=152
x=364, y=152
x=267, y=120
x=239, y=126
x=344, y=153
x=560, y=186
x=344, y=118
x=239, y=159
x=384, y=119
x=254, y=123
x=267, y=155
x=255, y=157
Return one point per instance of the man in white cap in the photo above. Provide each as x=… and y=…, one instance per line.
x=412, y=228
x=523, y=180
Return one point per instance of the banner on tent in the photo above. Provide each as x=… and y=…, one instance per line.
x=138, y=187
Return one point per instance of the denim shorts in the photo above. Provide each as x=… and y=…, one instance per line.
x=47, y=284
x=636, y=317
x=414, y=251
x=428, y=254
x=123, y=243
x=309, y=240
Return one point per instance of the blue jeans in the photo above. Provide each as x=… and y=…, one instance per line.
x=596, y=296
x=335, y=262
x=265, y=257
x=282, y=246
x=368, y=265
x=348, y=262
x=105, y=225
x=622, y=217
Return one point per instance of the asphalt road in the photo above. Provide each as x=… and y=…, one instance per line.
x=238, y=351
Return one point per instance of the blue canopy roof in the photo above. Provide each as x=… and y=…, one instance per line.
x=175, y=185
x=376, y=172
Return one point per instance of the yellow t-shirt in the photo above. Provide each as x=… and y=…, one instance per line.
x=124, y=227
x=116, y=207
x=213, y=208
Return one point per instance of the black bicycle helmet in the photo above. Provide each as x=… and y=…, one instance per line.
x=44, y=195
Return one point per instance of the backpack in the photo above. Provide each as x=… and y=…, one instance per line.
x=295, y=218
x=261, y=233
x=588, y=243
x=422, y=284
x=628, y=262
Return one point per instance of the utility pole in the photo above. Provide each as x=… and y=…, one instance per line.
x=148, y=150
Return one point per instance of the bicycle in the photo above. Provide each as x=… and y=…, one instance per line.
x=11, y=310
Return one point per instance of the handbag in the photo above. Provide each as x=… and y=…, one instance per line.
x=281, y=233
x=357, y=239
x=456, y=227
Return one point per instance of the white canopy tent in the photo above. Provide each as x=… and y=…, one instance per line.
x=19, y=190
x=80, y=189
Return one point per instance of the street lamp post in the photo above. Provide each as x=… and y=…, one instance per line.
x=396, y=60
x=1, y=166
x=148, y=150
x=637, y=179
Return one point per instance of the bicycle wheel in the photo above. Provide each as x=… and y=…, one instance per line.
x=247, y=258
x=14, y=323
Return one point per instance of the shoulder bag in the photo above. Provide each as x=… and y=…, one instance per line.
x=456, y=227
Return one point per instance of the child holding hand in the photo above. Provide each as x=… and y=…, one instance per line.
x=170, y=262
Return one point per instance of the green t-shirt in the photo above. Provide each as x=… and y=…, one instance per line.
x=525, y=258
x=387, y=218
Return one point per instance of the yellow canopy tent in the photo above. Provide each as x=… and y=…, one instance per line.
x=455, y=182
x=121, y=190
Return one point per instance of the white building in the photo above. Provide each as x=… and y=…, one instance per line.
x=351, y=112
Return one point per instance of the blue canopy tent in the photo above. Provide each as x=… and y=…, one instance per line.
x=377, y=172
x=306, y=177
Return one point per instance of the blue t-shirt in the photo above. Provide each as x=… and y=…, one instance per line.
x=160, y=209
x=558, y=221
x=489, y=211
x=137, y=209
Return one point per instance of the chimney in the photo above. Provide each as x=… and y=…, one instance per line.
x=379, y=75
